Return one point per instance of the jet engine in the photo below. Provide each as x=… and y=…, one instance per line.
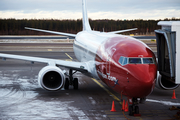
x=164, y=83
x=51, y=78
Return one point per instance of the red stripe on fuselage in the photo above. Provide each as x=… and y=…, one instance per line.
x=133, y=80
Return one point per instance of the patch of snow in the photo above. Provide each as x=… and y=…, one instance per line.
x=163, y=102
x=92, y=100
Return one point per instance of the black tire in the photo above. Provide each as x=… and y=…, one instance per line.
x=136, y=109
x=75, y=83
x=131, y=110
x=66, y=86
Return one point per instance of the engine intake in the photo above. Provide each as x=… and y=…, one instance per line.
x=51, y=78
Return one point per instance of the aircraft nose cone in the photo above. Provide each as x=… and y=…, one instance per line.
x=141, y=87
x=145, y=87
x=142, y=82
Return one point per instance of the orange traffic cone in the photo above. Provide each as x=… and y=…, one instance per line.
x=174, y=95
x=126, y=107
x=123, y=105
x=113, y=107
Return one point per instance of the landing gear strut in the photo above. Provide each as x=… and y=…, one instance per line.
x=134, y=108
x=71, y=80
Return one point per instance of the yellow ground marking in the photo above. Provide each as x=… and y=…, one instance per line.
x=69, y=56
x=49, y=49
x=116, y=98
x=110, y=93
x=68, y=60
x=139, y=118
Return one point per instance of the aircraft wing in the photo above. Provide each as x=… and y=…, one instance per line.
x=79, y=66
x=47, y=31
x=121, y=31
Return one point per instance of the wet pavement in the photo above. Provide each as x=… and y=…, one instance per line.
x=21, y=98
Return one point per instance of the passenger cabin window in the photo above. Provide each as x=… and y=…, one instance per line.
x=133, y=60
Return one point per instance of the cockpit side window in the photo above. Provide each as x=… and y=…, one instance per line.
x=121, y=60
x=125, y=61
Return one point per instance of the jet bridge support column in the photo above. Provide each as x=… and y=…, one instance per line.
x=168, y=50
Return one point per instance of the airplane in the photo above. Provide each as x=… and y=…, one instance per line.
x=123, y=63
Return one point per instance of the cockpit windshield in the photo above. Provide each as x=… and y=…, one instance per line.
x=134, y=60
x=148, y=60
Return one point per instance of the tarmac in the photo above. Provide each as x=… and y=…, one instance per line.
x=22, y=98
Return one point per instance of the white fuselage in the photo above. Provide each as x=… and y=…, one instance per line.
x=86, y=45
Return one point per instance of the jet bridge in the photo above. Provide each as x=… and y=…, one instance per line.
x=168, y=51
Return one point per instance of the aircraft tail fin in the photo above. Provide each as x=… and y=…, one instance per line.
x=86, y=25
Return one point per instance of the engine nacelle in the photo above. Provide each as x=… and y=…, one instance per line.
x=165, y=84
x=51, y=78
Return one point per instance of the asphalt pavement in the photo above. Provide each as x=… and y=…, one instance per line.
x=22, y=98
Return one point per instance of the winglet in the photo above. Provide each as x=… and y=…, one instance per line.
x=86, y=25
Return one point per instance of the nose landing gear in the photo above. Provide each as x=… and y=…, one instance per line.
x=134, y=108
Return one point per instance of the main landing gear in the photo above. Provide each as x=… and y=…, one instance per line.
x=134, y=108
x=71, y=80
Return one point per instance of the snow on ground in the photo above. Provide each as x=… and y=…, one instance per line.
x=18, y=100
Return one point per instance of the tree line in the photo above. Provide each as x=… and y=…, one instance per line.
x=16, y=26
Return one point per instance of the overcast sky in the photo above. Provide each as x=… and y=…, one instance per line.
x=97, y=9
